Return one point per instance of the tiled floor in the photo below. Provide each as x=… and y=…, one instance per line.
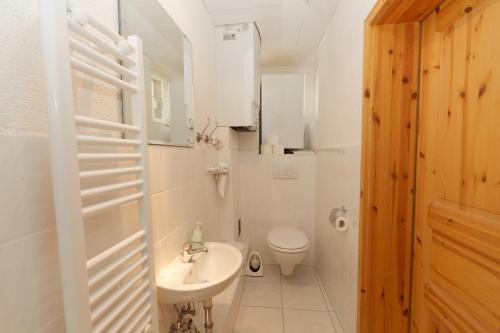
x=278, y=304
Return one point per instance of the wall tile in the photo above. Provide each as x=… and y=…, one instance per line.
x=158, y=215
x=261, y=245
x=171, y=245
x=268, y=202
x=311, y=252
x=338, y=185
x=110, y=227
x=158, y=169
x=30, y=287
x=26, y=204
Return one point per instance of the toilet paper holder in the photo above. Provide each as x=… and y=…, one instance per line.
x=334, y=214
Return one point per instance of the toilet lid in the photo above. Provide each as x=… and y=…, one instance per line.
x=288, y=238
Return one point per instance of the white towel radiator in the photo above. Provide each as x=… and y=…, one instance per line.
x=114, y=291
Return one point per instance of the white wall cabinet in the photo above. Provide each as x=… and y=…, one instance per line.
x=238, y=75
x=283, y=108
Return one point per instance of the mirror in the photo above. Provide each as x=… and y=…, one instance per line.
x=168, y=72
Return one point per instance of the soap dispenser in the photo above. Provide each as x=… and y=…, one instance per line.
x=197, y=236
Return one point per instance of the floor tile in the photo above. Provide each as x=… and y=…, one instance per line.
x=328, y=302
x=336, y=323
x=271, y=274
x=301, y=296
x=302, y=275
x=264, y=294
x=303, y=321
x=259, y=320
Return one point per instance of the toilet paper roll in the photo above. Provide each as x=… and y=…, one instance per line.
x=341, y=223
x=266, y=149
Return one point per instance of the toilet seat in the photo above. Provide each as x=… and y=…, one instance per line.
x=288, y=240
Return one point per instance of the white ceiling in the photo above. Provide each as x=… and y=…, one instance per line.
x=290, y=29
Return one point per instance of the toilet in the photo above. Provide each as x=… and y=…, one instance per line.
x=288, y=246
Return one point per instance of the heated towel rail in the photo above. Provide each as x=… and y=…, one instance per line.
x=113, y=291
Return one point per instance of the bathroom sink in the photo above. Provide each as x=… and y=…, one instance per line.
x=206, y=276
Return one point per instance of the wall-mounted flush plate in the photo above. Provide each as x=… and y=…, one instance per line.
x=285, y=170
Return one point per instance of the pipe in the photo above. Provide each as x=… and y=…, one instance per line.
x=209, y=324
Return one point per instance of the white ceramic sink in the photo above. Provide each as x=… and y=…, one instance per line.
x=206, y=276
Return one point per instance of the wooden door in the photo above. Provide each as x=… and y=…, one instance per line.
x=456, y=271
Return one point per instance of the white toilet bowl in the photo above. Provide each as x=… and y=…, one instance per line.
x=288, y=246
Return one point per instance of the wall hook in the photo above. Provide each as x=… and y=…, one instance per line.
x=199, y=136
x=208, y=138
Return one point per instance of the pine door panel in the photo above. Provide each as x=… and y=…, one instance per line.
x=456, y=272
x=463, y=273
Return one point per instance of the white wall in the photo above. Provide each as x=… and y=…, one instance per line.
x=268, y=202
x=336, y=137
x=182, y=192
x=340, y=60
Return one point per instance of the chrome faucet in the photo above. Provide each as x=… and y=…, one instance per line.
x=188, y=252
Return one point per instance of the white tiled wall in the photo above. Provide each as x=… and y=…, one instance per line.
x=336, y=137
x=182, y=192
x=177, y=201
x=268, y=202
x=337, y=252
